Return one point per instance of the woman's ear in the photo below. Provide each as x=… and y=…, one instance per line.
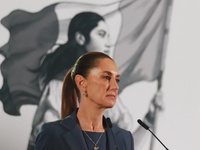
x=80, y=82
x=80, y=39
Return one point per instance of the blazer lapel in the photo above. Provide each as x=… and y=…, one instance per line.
x=74, y=138
x=114, y=138
x=73, y=135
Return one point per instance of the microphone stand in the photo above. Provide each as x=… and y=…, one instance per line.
x=158, y=139
x=147, y=128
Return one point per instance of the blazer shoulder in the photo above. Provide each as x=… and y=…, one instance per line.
x=124, y=136
x=51, y=124
x=68, y=123
x=117, y=129
x=49, y=136
x=51, y=127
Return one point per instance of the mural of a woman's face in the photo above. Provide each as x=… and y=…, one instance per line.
x=99, y=38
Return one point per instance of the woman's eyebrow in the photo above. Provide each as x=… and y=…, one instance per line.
x=110, y=73
x=102, y=30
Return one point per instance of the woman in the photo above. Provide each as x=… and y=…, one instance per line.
x=87, y=32
x=93, y=84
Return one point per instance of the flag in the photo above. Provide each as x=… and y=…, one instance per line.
x=141, y=47
x=28, y=43
x=138, y=29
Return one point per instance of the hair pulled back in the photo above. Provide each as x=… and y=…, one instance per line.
x=70, y=92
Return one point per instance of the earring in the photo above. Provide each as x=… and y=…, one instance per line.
x=85, y=94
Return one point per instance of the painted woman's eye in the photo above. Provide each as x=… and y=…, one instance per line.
x=102, y=33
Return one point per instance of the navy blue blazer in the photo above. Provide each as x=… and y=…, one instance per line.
x=66, y=134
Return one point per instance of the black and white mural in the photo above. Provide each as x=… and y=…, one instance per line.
x=154, y=43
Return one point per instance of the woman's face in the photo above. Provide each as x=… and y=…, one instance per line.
x=99, y=39
x=102, y=84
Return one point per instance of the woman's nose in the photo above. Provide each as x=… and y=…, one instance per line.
x=109, y=43
x=114, y=84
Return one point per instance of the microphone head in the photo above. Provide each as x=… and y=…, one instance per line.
x=143, y=124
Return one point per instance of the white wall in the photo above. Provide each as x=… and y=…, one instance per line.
x=178, y=125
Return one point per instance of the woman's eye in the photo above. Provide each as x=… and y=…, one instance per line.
x=107, y=77
x=102, y=34
x=117, y=80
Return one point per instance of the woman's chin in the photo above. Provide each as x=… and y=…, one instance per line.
x=110, y=105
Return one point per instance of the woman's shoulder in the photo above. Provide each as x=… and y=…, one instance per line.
x=68, y=122
x=122, y=133
x=123, y=136
x=53, y=125
x=116, y=129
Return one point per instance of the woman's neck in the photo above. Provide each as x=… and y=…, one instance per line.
x=90, y=120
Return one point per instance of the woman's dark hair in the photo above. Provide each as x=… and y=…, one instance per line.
x=70, y=92
x=61, y=60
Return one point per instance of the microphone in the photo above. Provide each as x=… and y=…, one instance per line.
x=147, y=128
